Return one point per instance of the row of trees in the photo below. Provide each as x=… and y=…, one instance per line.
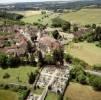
x=95, y=36
x=8, y=61
x=55, y=58
x=32, y=77
x=11, y=16
x=79, y=75
x=58, y=22
x=92, y=35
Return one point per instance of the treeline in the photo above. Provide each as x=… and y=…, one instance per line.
x=52, y=5
x=78, y=74
x=58, y=22
x=23, y=91
x=92, y=36
x=11, y=16
x=8, y=61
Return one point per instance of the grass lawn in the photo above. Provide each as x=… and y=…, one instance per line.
x=27, y=13
x=52, y=96
x=85, y=51
x=38, y=91
x=8, y=95
x=77, y=91
x=21, y=72
x=43, y=20
x=84, y=16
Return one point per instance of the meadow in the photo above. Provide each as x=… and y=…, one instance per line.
x=27, y=13
x=84, y=16
x=52, y=96
x=87, y=52
x=77, y=91
x=8, y=95
x=40, y=18
x=17, y=75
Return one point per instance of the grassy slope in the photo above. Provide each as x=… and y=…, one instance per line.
x=27, y=13
x=38, y=91
x=52, y=96
x=22, y=72
x=8, y=95
x=84, y=16
x=85, y=51
x=34, y=18
x=76, y=91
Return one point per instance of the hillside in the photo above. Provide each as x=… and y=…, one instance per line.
x=84, y=16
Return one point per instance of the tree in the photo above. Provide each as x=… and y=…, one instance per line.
x=87, y=26
x=95, y=81
x=11, y=16
x=94, y=26
x=29, y=47
x=32, y=77
x=75, y=28
x=68, y=58
x=40, y=58
x=98, y=33
x=13, y=61
x=43, y=12
x=82, y=78
x=6, y=75
x=55, y=34
x=66, y=26
x=58, y=56
x=3, y=60
x=77, y=73
x=49, y=59
x=57, y=22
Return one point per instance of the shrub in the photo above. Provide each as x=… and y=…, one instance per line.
x=68, y=58
x=94, y=26
x=79, y=75
x=6, y=75
x=49, y=87
x=32, y=77
x=48, y=59
x=66, y=26
x=97, y=67
x=55, y=34
x=82, y=79
x=99, y=44
x=88, y=26
x=95, y=81
x=57, y=22
x=6, y=87
x=75, y=28
x=75, y=61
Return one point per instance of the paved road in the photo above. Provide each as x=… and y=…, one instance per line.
x=46, y=89
x=88, y=71
x=93, y=72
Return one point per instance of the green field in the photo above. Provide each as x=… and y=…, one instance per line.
x=52, y=96
x=8, y=95
x=84, y=16
x=38, y=91
x=43, y=19
x=77, y=91
x=21, y=72
x=27, y=13
x=85, y=51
